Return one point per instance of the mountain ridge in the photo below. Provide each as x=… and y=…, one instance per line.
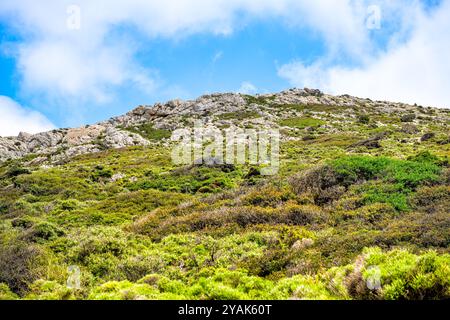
x=59, y=144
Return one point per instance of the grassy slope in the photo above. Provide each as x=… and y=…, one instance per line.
x=339, y=214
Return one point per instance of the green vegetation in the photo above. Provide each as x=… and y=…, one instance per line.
x=190, y=180
x=258, y=99
x=301, y=123
x=147, y=131
x=336, y=222
x=239, y=115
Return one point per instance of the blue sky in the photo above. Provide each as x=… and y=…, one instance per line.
x=63, y=65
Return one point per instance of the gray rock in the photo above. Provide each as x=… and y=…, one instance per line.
x=61, y=144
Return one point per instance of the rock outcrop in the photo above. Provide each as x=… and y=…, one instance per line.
x=261, y=110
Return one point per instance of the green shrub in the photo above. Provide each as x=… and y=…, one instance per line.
x=411, y=174
x=6, y=293
x=147, y=131
x=50, y=290
x=374, y=213
x=239, y=115
x=395, y=195
x=191, y=179
x=302, y=288
x=123, y=290
x=363, y=118
x=408, y=117
x=100, y=173
x=301, y=123
x=15, y=171
x=99, y=248
x=330, y=181
x=407, y=276
x=43, y=231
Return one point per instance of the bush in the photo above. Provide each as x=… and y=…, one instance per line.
x=395, y=195
x=15, y=171
x=432, y=199
x=43, y=231
x=321, y=182
x=330, y=181
x=147, y=131
x=411, y=174
x=363, y=118
x=301, y=287
x=418, y=229
x=123, y=290
x=300, y=215
x=267, y=196
x=403, y=275
x=100, y=249
x=273, y=260
x=301, y=123
x=373, y=213
x=19, y=265
x=6, y=293
x=408, y=117
x=50, y=290
x=101, y=173
x=191, y=179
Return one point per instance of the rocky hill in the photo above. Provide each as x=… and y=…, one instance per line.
x=359, y=208
x=216, y=110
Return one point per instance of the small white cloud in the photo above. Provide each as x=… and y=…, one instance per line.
x=64, y=69
x=217, y=56
x=247, y=88
x=15, y=118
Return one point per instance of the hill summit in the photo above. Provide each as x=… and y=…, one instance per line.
x=145, y=124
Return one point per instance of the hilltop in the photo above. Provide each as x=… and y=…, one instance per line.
x=145, y=124
x=357, y=210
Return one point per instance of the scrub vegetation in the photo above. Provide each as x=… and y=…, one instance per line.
x=359, y=210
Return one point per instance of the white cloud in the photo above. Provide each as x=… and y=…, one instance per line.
x=92, y=62
x=416, y=70
x=247, y=88
x=91, y=65
x=217, y=56
x=14, y=119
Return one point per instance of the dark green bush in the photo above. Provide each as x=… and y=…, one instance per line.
x=147, y=131
x=408, y=117
x=43, y=231
x=17, y=171
x=100, y=172
x=363, y=118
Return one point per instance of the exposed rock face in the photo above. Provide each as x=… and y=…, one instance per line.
x=266, y=110
x=59, y=144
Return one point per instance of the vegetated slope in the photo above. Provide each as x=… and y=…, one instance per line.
x=359, y=208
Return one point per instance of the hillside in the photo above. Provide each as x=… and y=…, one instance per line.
x=359, y=208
